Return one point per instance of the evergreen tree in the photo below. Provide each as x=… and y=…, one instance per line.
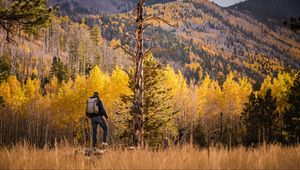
x=5, y=68
x=260, y=119
x=293, y=23
x=270, y=117
x=159, y=125
x=96, y=36
x=1, y=101
x=29, y=15
x=59, y=70
x=98, y=43
x=292, y=115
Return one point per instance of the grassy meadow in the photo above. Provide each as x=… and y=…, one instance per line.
x=186, y=157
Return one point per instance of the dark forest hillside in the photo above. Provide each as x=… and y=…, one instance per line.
x=76, y=7
x=270, y=11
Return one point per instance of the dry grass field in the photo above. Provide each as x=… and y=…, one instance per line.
x=187, y=157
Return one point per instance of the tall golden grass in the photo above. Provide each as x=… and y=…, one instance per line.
x=186, y=157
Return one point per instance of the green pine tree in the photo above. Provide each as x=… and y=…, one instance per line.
x=159, y=125
x=260, y=120
x=292, y=115
x=5, y=68
x=251, y=120
x=29, y=15
x=270, y=119
x=59, y=70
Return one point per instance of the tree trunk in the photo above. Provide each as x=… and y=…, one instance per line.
x=258, y=136
x=221, y=128
x=138, y=79
x=270, y=133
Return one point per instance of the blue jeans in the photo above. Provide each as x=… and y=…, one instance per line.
x=98, y=120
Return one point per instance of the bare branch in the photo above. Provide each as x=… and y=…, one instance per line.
x=9, y=32
x=127, y=34
x=152, y=17
x=129, y=75
x=127, y=51
x=153, y=49
x=147, y=25
x=156, y=49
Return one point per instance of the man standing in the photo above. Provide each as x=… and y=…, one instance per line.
x=95, y=110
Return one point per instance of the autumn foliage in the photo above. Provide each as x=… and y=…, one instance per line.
x=54, y=112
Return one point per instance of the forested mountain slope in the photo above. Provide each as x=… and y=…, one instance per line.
x=76, y=7
x=206, y=39
x=270, y=11
x=209, y=39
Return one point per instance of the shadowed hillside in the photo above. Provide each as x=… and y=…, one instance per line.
x=270, y=11
x=98, y=6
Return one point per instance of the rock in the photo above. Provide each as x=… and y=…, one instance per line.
x=90, y=151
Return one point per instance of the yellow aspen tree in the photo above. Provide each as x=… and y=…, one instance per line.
x=281, y=89
x=5, y=91
x=213, y=99
x=117, y=88
x=245, y=91
x=231, y=99
x=98, y=81
x=178, y=89
x=52, y=87
x=172, y=80
x=32, y=89
x=202, y=93
x=32, y=94
x=78, y=99
x=177, y=84
x=63, y=104
x=182, y=82
x=80, y=96
x=235, y=94
x=181, y=97
x=69, y=105
x=266, y=84
x=12, y=93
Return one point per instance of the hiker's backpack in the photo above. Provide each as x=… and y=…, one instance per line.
x=92, y=107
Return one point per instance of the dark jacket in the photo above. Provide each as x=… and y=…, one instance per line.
x=102, y=111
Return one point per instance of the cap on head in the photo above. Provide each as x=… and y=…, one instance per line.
x=96, y=93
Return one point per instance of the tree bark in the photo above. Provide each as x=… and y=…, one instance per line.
x=138, y=79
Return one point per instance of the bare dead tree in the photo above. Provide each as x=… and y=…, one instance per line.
x=138, y=57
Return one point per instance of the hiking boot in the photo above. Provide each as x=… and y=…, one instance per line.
x=104, y=144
